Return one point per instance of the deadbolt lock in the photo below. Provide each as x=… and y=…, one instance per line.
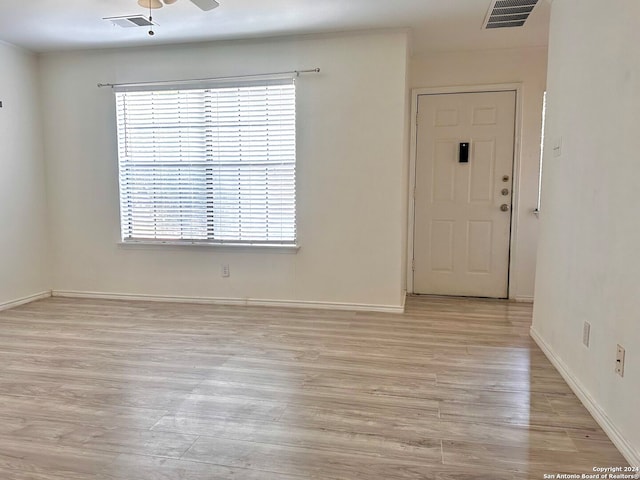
x=505, y=178
x=504, y=207
x=505, y=192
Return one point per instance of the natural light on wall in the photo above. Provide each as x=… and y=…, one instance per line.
x=544, y=114
x=208, y=165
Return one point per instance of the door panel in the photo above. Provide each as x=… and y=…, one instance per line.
x=461, y=243
x=479, y=242
x=482, y=168
x=442, y=246
x=444, y=173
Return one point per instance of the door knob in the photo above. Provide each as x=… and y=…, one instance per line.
x=504, y=207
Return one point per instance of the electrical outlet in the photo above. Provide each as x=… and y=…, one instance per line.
x=586, y=334
x=620, y=361
x=225, y=271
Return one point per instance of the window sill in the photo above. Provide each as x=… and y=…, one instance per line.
x=255, y=247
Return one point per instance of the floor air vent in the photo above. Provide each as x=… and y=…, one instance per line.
x=130, y=21
x=509, y=13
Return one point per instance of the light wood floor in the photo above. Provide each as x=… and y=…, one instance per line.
x=453, y=389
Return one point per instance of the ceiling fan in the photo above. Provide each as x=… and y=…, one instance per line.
x=205, y=5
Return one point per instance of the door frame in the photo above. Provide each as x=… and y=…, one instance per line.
x=515, y=198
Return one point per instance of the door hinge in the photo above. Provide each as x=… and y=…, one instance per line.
x=413, y=265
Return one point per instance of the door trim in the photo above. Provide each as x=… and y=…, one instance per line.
x=515, y=199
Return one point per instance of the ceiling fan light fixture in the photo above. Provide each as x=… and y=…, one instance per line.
x=150, y=3
x=169, y=2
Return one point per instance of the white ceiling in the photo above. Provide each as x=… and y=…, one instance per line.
x=436, y=25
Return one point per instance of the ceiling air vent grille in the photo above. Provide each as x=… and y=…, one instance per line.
x=509, y=13
x=130, y=21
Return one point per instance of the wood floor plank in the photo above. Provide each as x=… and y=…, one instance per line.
x=287, y=460
x=78, y=411
x=96, y=438
x=43, y=459
x=452, y=389
x=134, y=467
x=314, y=438
x=529, y=461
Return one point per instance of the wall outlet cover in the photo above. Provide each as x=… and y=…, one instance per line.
x=620, y=361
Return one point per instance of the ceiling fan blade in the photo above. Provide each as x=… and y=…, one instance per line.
x=205, y=5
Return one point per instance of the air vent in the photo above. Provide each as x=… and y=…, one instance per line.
x=130, y=21
x=206, y=5
x=509, y=13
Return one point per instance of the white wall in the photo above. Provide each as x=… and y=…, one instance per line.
x=526, y=66
x=351, y=190
x=589, y=254
x=23, y=228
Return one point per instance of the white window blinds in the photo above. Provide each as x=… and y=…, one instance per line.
x=210, y=165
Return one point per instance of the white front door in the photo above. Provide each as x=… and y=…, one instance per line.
x=463, y=209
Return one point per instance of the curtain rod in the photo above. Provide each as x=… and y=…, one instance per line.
x=297, y=73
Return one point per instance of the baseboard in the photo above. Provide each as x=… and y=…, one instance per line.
x=404, y=301
x=626, y=449
x=524, y=298
x=358, y=307
x=23, y=300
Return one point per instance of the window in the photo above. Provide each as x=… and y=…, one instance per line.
x=208, y=165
